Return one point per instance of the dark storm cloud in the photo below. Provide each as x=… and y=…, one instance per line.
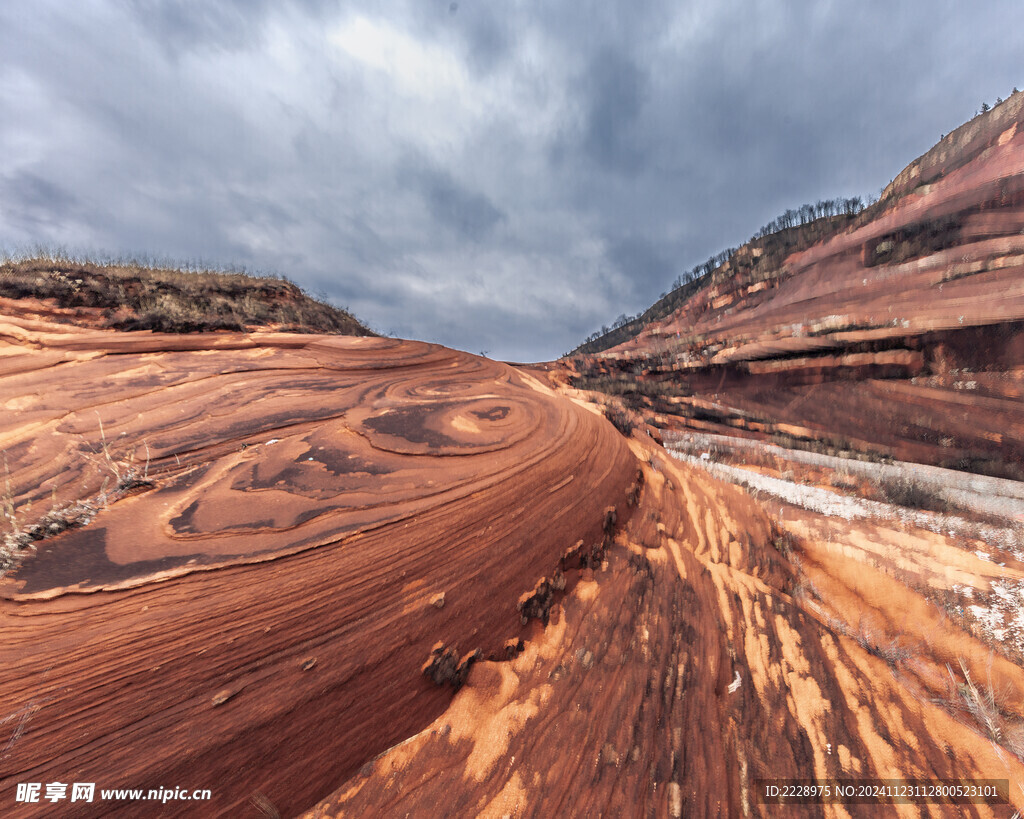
x=488, y=37
x=190, y=24
x=491, y=176
x=470, y=214
x=35, y=203
x=641, y=259
x=614, y=88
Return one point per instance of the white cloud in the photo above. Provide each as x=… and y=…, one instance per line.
x=425, y=71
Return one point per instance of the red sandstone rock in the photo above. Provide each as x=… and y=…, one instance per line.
x=253, y=621
x=902, y=335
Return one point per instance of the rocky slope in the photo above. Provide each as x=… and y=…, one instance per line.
x=133, y=296
x=331, y=576
x=698, y=659
x=902, y=335
x=277, y=531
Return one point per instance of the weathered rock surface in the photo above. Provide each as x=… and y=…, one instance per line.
x=253, y=616
x=699, y=659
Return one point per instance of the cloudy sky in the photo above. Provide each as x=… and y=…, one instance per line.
x=490, y=174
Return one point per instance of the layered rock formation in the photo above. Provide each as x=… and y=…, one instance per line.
x=902, y=335
x=702, y=656
x=365, y=577
x=278, y=530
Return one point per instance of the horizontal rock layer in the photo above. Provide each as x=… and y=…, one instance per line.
x=901, y=335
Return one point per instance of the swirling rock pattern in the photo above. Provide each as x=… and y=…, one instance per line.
x=255, y=619
x=690, y=665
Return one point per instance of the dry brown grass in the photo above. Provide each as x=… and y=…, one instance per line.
x=907, y=492
x=123, y=473
x=982, y=703
x=133, y=295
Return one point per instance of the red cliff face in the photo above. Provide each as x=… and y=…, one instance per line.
x=902, y=335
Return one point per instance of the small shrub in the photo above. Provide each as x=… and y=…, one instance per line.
x=907, y=492
x=983, y=704
x=980, y=703
x=126, y=475
x=783, y=541
x=621, y=420
x=891, y=651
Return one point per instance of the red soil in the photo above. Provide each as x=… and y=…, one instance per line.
x=687, y=668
